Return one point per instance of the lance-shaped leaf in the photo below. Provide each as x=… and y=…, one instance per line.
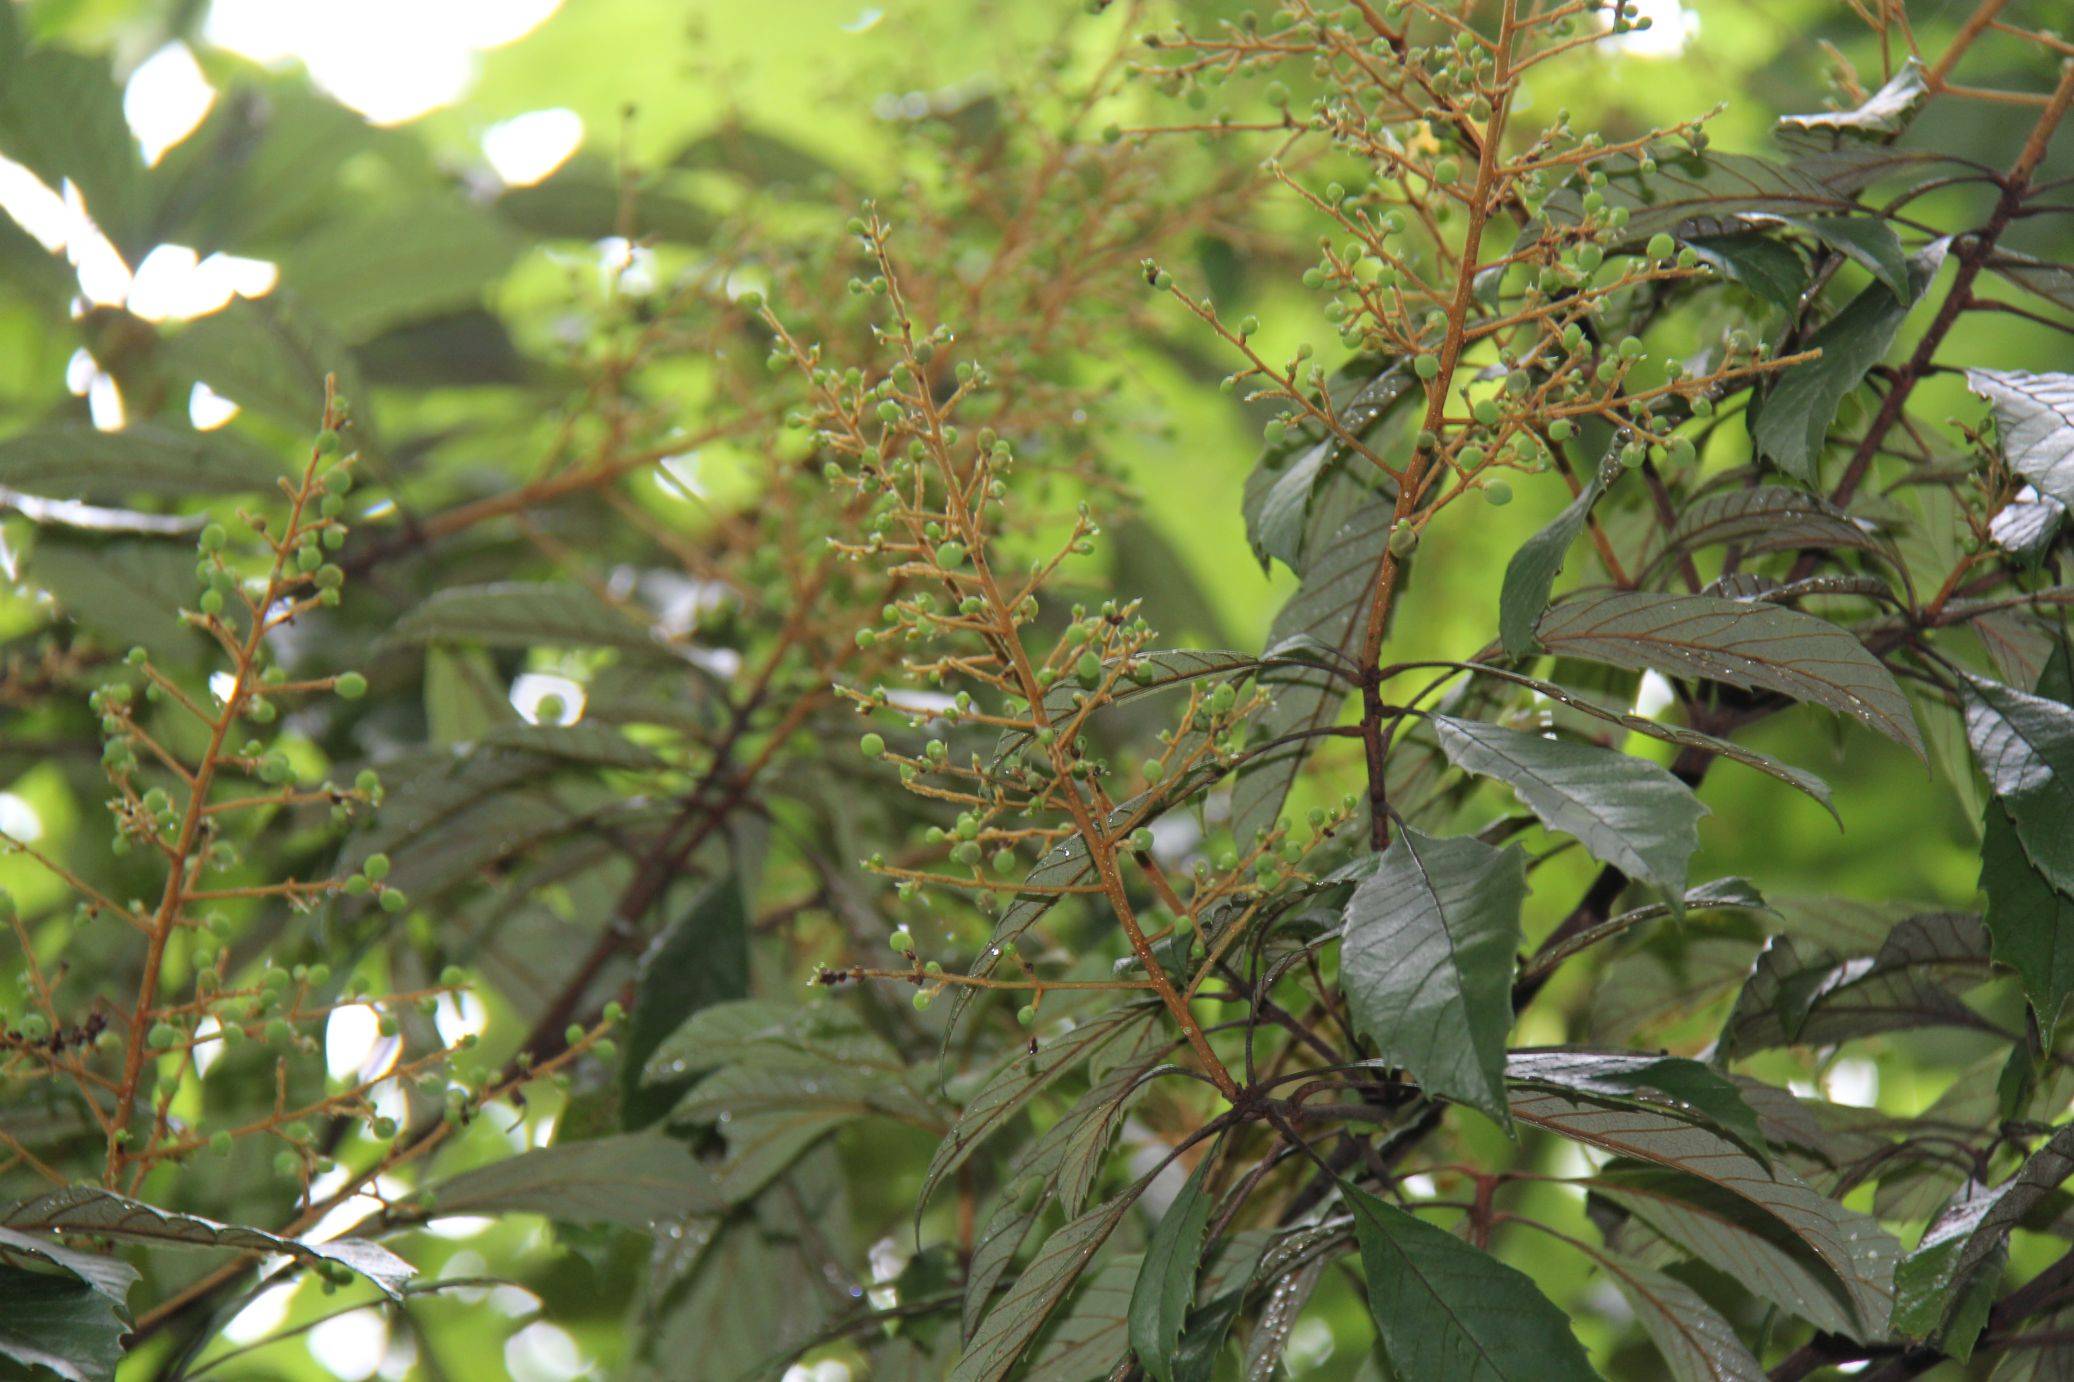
x=1745, y=645
x=2025, y=746
x=1796, y=417
x=1867, y=241
x=1327, y=610
x=1166, y=1278
x=637, y=1181
x=111, y=1277
x=1853, y=1247
x=1531, y=573
x=2030, y=922
x=1302, y=491
x=79, y=461
x=1684, y=1088
x=1444, y=1308
x=1885, y=112
x=2034, y=417
x=1710, y=193
x=1005, y=1333
x=1742, y=1241
x=1627, y=812
x=91, y=1210
x=1426, y=960
x=1697, y=1344
x=1969, y=1230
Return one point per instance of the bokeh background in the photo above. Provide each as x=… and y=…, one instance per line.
x=425, y=180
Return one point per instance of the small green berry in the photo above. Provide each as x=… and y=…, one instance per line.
x=872, y=746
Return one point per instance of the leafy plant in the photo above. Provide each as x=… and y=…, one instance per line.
x=1143, y=998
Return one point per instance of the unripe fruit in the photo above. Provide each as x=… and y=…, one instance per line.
x=1662, y=246
x=1404, y=540
x=1497, y=493
x=872, y=746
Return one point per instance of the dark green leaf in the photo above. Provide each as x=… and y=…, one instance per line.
x=1625, y=811
x=2030, y=921
x=1531, y=573
x=1426, y=961
x=1798, y=413
x=1968, y=1231
x=111, y=1277
x=1166, y=1280
x=1799, y=994
x=58, y=1323
x=702, y=959
x=1770, y=268
x=1745, y=645
x=365, y=273
x=1868, y=242
x=1770, y=518
x=1445, y=1309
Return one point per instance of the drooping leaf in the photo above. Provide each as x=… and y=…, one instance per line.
x=523, y=615
x=1800, y=994
x=1090, y=1337
x=110, y=1277
x=1626, y=811
x=99, y=1213
x=1886, y=111
x=1867, y=241
x=1708, y=194
x=1329, y=608
x=1740, y=1240
x=60, y=1324
x=1530, y=575
x=1796, y=417
x=1853, y=1247
x=1697, y=1344
x=271, y=356
x=1770, y=518
x=2030, y=921
x=999, y=1342
x=362, y=274
x=1745, y=645
x=1444, y=1308
x=2034, y=419
x=1968, y=1231
x=125, y=591
x=702, y=959
x=1166, y=1279
x=1018, y=1080
x=1686, y=1088
x=1426, y=960
x=2024, y=744
x=635, y=1180
x=1302, y=491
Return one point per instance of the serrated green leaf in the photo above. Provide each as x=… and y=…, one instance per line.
x=362, y=274
x=1445, y=1309
x=1771, y=518
x=2031, y=923
x=1625, y=811
x=1745, y=645
x=1850, y=1246
x=1866, y=240
x=1426, y=961
x=1800, y=994
x=1967, y=1231
x=1165, y=1286
x=999, y=1342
